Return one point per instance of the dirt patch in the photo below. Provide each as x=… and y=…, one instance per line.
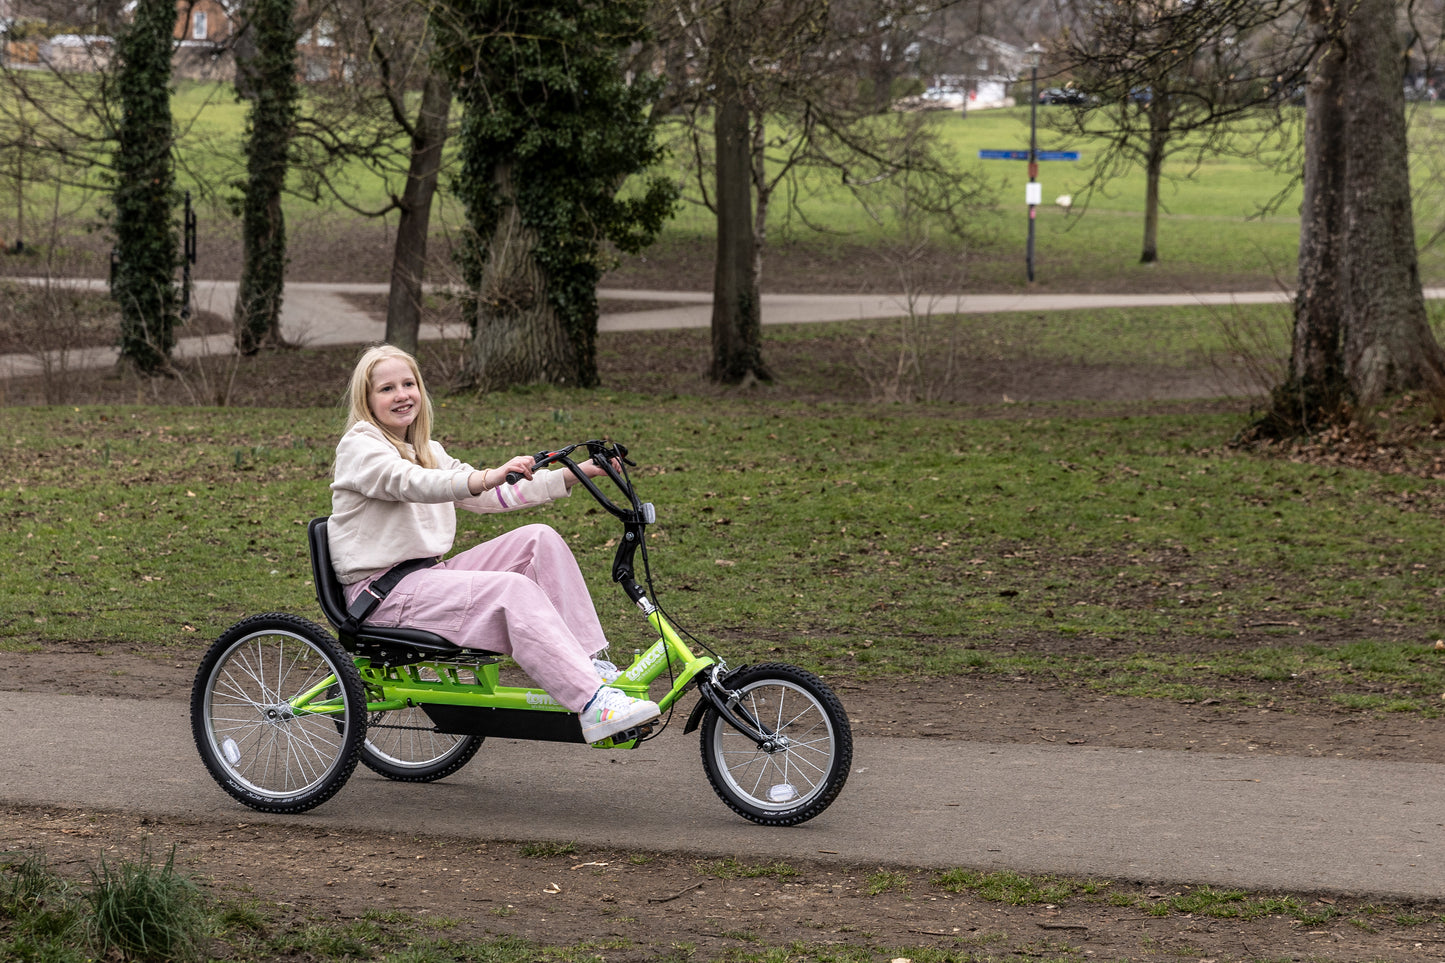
x=640, y=906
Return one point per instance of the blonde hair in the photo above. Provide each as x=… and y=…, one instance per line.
x=358, y=403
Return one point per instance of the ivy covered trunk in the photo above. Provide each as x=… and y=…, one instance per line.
x=145, y=236
x=267, y=78
x=518, y=336
x=552, y=128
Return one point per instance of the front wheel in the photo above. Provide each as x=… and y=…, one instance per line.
x=804, y=763
x=278, y=713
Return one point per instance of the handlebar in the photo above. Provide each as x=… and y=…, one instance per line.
x=634, y=518
x=602, y=454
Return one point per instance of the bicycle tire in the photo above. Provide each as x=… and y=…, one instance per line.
x=252, y=741
x=800, y=777
x=404, y=745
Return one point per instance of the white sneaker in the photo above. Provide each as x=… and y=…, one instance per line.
x=608, y=672
x=611, y=711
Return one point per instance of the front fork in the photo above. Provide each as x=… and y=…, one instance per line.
x=728, y=705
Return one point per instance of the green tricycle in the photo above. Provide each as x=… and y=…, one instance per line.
x=282, y=711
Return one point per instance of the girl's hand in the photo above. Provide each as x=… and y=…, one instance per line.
x=522, y=465
x=591, y=469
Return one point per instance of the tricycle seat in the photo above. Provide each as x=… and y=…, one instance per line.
x=387, y=646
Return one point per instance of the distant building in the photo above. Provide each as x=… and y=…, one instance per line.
x=203, y=34
x=970, y=73
x=76, y=53
x=988, y=67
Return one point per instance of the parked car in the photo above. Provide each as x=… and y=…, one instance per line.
x=1062, y=95
x=938, y=98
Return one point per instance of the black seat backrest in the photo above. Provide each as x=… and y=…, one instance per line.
x=392, y=646
x=328, y=589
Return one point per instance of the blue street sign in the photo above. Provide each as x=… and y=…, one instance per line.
x=1044, y=155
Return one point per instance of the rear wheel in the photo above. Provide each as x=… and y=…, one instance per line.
x=803, y=763
x=278, y=713
x=404, y=745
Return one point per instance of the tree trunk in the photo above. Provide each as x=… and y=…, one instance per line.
x=143, y=280
x=257, y=312
x=517, y=337
x=763, y=195
x=1360, y=331
x=736, y=308
x=1316, y=392
x=882, y=71
x=1388, y=346
x=408, y=264
x=1153, y=165
x=1159, y=133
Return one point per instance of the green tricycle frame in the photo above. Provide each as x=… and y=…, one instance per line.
x=282, y=711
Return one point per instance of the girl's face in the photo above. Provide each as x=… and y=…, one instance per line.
x=394, y=398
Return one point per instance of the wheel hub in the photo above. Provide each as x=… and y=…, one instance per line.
x=278, y=715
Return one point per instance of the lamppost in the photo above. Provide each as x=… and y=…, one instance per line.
x=1033, y=194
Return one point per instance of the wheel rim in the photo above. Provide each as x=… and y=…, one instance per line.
x=407, y=738
x=263, y=741
x=795, y=766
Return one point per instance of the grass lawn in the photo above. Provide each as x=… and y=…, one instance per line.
x=1223, y=217
x=861, y=540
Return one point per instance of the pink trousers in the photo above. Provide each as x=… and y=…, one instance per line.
x=521, y=594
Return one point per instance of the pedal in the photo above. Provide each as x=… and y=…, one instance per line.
x=634, y=734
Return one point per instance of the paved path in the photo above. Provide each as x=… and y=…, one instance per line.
x=319, y=314
x=1254, y=822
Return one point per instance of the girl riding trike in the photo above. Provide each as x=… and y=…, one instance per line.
x=282, y=710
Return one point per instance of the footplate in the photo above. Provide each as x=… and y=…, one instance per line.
x=537, y=725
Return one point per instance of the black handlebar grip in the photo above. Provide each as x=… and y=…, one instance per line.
x=515, y=476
